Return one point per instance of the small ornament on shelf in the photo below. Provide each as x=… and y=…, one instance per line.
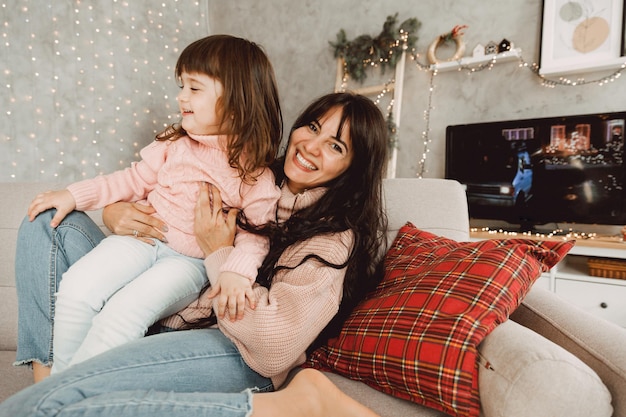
x=479, y=51
x=504, y=46
x=491, y=48
x=454, y=35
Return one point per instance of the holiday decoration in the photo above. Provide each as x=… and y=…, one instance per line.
x=365, y=52
x=504, y=46
x=87, y=84
x=389, y=48
x=454, y=35
x=382, y=50
x=479, y=51
x=491, y=48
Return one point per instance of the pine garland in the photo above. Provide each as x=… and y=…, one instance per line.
x=383, y=50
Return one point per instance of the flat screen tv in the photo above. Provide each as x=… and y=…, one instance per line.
x=532, y=172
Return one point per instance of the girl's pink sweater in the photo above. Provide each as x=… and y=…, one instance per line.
x=273, y=338
x=168, y=177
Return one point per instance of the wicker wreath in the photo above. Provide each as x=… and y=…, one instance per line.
x=454, y=35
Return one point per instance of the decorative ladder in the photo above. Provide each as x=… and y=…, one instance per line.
x=395, y=87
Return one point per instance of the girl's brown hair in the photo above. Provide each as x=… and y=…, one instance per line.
x=249, y=107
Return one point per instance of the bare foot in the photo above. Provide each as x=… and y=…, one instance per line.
x=40, y=372
x=309, y=394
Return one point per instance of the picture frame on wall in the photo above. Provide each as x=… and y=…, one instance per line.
x=581, y=36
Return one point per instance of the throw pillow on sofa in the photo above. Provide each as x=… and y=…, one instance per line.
x=416, y=336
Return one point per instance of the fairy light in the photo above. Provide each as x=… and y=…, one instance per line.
x=472, y=69
x=80, y=75
x=88, y=83
x=555, y=234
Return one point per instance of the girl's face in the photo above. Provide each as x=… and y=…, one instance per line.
x=316, y=155
x=197, y=102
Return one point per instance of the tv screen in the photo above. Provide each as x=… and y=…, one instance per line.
x=566, y=169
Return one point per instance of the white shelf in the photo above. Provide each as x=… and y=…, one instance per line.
x=471, y=61
x=575, y=267
x=616, y=249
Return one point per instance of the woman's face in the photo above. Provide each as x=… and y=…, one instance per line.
x=316, y=155
x=197, y=102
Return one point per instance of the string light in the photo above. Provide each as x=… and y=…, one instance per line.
x=86, y=85
x=470, y=69
x=555, y=234
x=117, y=60
x=421, y=165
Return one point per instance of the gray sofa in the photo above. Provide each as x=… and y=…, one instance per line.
x=524, y=372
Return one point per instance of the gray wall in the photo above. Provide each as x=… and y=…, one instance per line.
x=86, y=84
x=296, y=35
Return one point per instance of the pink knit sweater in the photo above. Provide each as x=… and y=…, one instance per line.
x=168, y=178
x=273, y=338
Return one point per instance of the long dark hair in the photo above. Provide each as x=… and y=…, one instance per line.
x=353, y=202
x=249, y=106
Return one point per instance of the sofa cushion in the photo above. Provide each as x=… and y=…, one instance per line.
x=527, y=375
x=416, y=335
x=14, y=378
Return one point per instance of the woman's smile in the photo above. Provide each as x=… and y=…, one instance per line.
x=304, y=163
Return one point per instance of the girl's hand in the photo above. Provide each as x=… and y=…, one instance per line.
x=62, y=200
x=232, y=290
x=125, y=218
x=212, y=228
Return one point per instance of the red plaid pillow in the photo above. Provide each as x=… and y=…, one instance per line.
x=416, y=336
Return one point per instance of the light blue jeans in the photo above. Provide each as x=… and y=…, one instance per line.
x=174, y=374
x=43, y=254
x=186, y=373
x=113, y=294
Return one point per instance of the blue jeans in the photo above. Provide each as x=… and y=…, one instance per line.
x=43, y=254
x=186, y=373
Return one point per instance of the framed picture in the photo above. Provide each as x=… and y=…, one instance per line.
x=580, y=36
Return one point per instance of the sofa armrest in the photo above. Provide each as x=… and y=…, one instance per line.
x=597, y=342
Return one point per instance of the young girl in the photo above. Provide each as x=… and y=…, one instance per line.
x=229, y=134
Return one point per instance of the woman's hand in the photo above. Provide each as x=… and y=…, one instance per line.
x=213, y=230
x=135, y=220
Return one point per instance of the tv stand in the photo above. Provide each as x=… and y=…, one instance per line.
x=570, y=279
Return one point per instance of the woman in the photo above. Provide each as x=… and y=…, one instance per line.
x=323, y=254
